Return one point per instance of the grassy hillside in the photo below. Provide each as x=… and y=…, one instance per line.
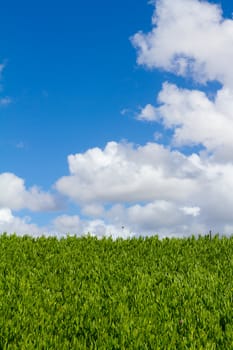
x=85, y=293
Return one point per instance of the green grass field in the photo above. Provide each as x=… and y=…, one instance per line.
x=85, y=293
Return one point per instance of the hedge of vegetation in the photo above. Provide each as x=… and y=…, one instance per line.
x=144, y=293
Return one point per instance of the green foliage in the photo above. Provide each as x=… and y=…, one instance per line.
x=145, y=293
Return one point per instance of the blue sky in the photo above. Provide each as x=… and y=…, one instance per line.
x=76, y=76
x=70, y=70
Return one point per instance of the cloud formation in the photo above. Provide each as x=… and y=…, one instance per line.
x=150, y=187
x=195, y=118
x=5, y=101
x=189, y=37
x=72, y=224
x=123, y=173
x=14, y=224
x=15, y=196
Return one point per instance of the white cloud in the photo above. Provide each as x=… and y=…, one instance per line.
x=68, y=224
x=72, y=224
x=189, y=37
x=93, y=209
x=123, y=173
x=15, y=196
x=13, y=224
x=194, y=211
x=195, y=118
x=158, y=217
x=2, y=67
x=148, y=113
x=154, y=189
x=158, y=136
x=5, y=215
x=5, y=101
x=152, y=216
x=125, y=111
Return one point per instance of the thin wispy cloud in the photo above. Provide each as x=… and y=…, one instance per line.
x=20, y=145
x=5, y=101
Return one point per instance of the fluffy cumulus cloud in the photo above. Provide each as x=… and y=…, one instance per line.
x=14, y=224
x=148, y=113
x=72, y=224
x=150, y=188
x=195, y=119
x=15, y=196
x=189, y=37
x=121, y=172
